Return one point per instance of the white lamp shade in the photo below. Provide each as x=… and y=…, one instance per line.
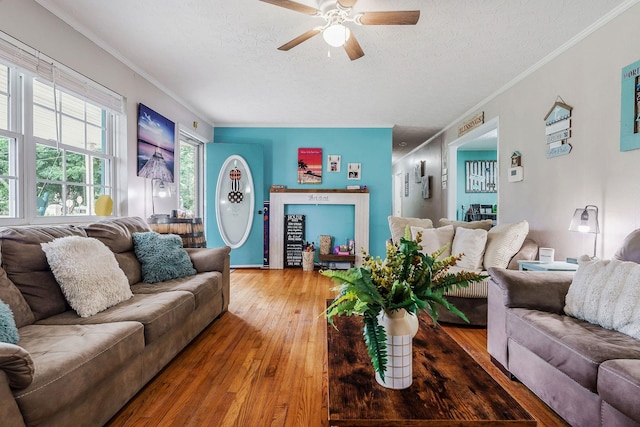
x=585, y=220
x=161, y=189
x=336, y=35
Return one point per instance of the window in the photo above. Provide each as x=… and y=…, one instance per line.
x=8, y=177
x=4, y=97
x=57, y=140
x=190, y=193
x=72, y=161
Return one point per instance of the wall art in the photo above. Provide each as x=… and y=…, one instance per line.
x=406, y=184
x=333, y=163
x=418, y=171
x=156, y=145
x=309, y=165
x=426, y=187
x=354, y=170
x=630, y=108
x=558, y=129
x=481, y=176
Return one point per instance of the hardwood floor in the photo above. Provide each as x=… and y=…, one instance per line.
x=264, y=362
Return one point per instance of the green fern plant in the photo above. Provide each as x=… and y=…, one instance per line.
x=405, y=279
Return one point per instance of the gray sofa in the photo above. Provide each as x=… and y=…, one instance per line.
x=69, y=370
x=588, y=374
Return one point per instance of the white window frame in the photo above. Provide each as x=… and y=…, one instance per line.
x=198, y=143
x=26, y=64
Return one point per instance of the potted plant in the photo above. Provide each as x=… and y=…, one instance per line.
x=406, y=280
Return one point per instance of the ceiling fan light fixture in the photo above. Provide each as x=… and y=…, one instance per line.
x=336, y=35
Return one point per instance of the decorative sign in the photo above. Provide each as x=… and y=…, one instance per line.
x=558, y=129
x=293, y=240
x=559, y=136
x=470, y=124
x=561, y=150
x=265, y=233
x=630, y=108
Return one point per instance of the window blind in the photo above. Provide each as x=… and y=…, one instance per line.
x=31, y=60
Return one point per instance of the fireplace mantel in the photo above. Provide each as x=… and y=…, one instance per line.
x=284, y=196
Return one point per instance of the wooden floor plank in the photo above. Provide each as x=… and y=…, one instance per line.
x=264, y=362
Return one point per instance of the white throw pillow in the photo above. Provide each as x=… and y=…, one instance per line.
x=471, y=243
x=88, y=274
x=606, y=293
x=503, y=242
x=398, y=225
x=434, y=239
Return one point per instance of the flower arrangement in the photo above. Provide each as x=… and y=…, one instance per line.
x=406, y=279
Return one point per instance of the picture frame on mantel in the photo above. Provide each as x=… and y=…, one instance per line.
x=630, y=108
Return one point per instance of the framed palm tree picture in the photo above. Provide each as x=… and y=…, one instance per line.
x=309, y=165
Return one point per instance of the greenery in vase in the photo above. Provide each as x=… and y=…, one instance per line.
x=406, y=279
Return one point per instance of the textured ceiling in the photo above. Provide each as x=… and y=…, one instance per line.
x=220, y=58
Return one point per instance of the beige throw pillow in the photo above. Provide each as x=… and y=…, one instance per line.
x=471, y=243
x=484, y=224
x=434, y=239
x=503, y=242
x=397, y=225
x=88, y=274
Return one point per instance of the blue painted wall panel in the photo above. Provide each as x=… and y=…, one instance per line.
x=371, y=147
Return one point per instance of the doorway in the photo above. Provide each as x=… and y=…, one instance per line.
x=484, y=138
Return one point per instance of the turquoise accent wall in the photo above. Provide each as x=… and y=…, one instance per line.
x=371, y=147
x=464, y=198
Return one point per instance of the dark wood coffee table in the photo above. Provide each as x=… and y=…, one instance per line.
x=449, y=388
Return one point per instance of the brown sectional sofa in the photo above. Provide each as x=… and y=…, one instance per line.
x=70, y=370
x=588, y=374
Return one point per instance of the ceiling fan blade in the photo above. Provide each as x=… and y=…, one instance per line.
x=353, y=49
x=404, y=17
x=297, y=7
x=301, y=38
x=347, y=3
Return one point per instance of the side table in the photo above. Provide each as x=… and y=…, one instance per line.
x=547, y=266
x=191, y=230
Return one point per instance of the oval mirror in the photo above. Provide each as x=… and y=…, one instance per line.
x=234, y=201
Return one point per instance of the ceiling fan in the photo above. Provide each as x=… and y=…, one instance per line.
x=336, y=13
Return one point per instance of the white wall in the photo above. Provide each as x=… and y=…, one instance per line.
x=587, y=76
x=33, y=25
x=414, y=205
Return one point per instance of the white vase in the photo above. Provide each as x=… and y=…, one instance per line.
x=413, y=323
x=399, y=368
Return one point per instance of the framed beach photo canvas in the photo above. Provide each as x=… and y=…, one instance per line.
x=156, y=145
x=309, y=165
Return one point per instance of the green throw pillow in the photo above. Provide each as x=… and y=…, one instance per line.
x=8, y=330
x=162, y=256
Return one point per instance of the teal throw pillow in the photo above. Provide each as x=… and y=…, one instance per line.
x=8, y=330
x=162, y=257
